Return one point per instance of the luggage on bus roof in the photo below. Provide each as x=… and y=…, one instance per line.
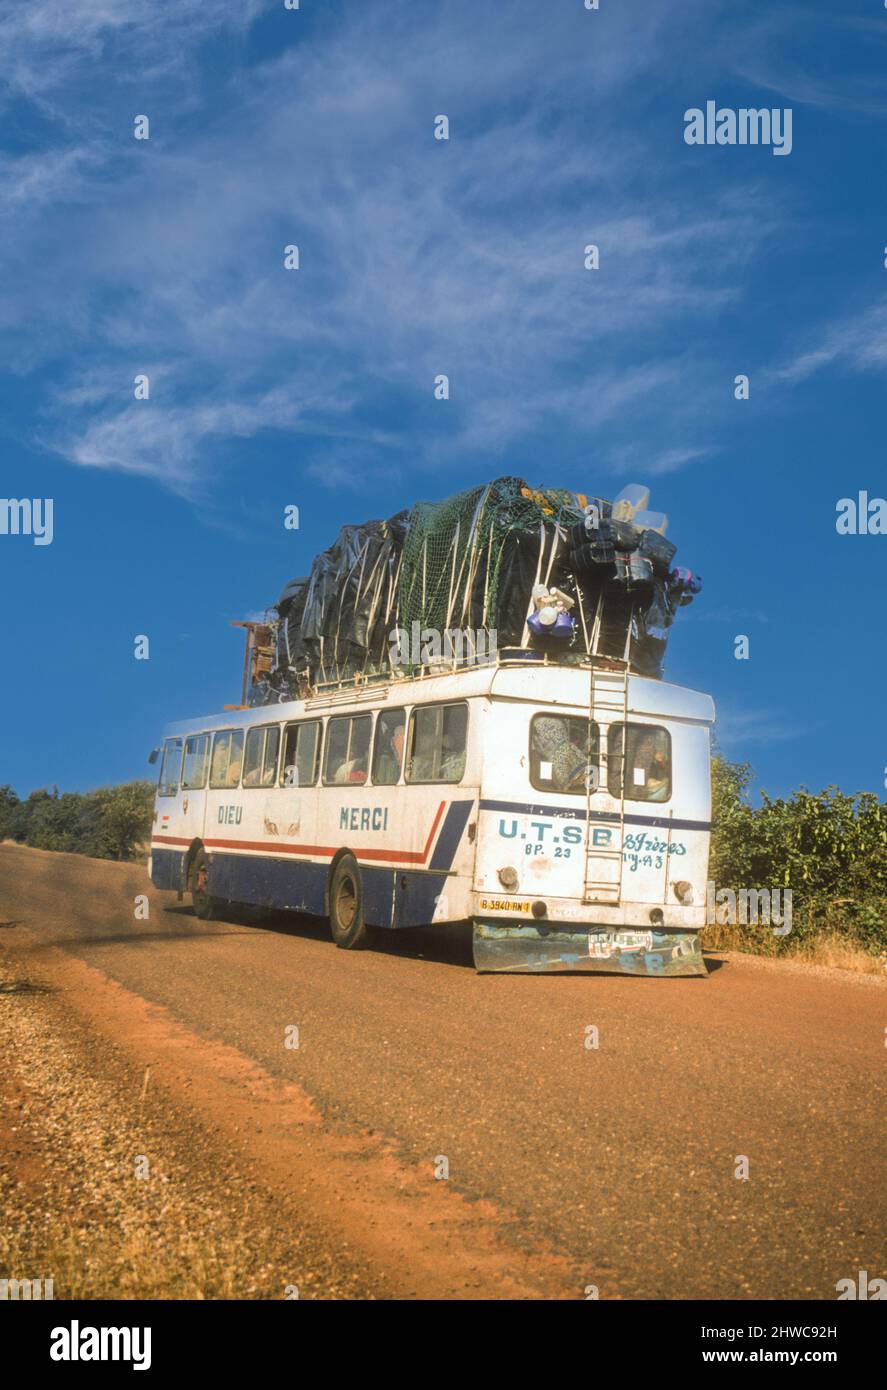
x=486, y=559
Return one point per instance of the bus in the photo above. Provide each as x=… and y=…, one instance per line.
x=562, y=810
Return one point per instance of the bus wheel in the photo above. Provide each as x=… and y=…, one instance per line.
x=204, y=906
x=346, y=905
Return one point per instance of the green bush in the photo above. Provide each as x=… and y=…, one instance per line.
x=828, y=847
x=110, y=823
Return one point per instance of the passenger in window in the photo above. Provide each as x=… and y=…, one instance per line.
x=298, y=768
x=388, y=765
x=352, y=771
x=421, y=767
x=651, y=763
x=235, y=758
x=452, y=764
x=584, y=767
x=551, y=744
x=420, y=753
x=657, y=778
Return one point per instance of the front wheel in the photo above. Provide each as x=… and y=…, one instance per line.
x=205, y=907
x=346, y=905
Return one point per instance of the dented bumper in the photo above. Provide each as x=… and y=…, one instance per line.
x=520, y=947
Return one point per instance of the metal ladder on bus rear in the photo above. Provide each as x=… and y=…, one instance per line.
x=608, y=704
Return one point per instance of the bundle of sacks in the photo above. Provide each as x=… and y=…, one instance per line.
x=619, y=562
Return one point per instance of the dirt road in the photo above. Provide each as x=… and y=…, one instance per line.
x=569, y=1165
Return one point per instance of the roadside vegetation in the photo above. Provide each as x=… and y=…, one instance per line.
x=828, y=847
x=110, y=823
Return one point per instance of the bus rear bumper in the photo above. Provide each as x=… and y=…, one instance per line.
x=524, y=948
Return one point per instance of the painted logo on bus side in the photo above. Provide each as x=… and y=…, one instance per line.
x=363, y=818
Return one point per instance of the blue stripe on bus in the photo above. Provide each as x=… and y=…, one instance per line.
x=450, y=834
x=578, y=813
x=166, y=867
x=393, y=897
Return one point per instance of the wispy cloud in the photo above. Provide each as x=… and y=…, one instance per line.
x=737, y=729
x=417, y=257
x=785, y=53
x=725, y=614
x=49, y=46
x=855, y=342
x=660, y=463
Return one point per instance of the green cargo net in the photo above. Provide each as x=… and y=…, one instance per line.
x=453, y=551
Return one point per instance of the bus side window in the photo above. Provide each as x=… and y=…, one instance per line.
x=347, y=753
x=301, y=746
x=226, y=759
x=388, y=747
x=235, y=758
x=436, y=746
x=196, y=762
x=260, y=758
x=252, y=758
x=219, y=763
x=170, y=768
x=269, y=757
x=646, y=759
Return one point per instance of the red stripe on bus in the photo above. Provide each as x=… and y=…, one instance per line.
x=402, y=856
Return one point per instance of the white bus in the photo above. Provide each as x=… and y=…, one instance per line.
x=563, y=810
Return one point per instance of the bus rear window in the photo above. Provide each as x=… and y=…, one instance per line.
x=564, y=753
x=647, y=762
x=347, y=754
x=436, y=745
x=196, y=762
x=301, y=746
x=227, y=757
x=170, y=768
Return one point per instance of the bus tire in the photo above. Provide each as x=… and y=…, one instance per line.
x=346, y=904
x=204, y=906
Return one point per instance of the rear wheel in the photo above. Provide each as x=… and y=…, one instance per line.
x=346, y=905
x=204, y=906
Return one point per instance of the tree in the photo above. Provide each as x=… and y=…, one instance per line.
x=111, y=823
x=828, y=847
x=8, y=803
x=124, y=819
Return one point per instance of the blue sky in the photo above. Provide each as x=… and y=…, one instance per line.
x=417, y=257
